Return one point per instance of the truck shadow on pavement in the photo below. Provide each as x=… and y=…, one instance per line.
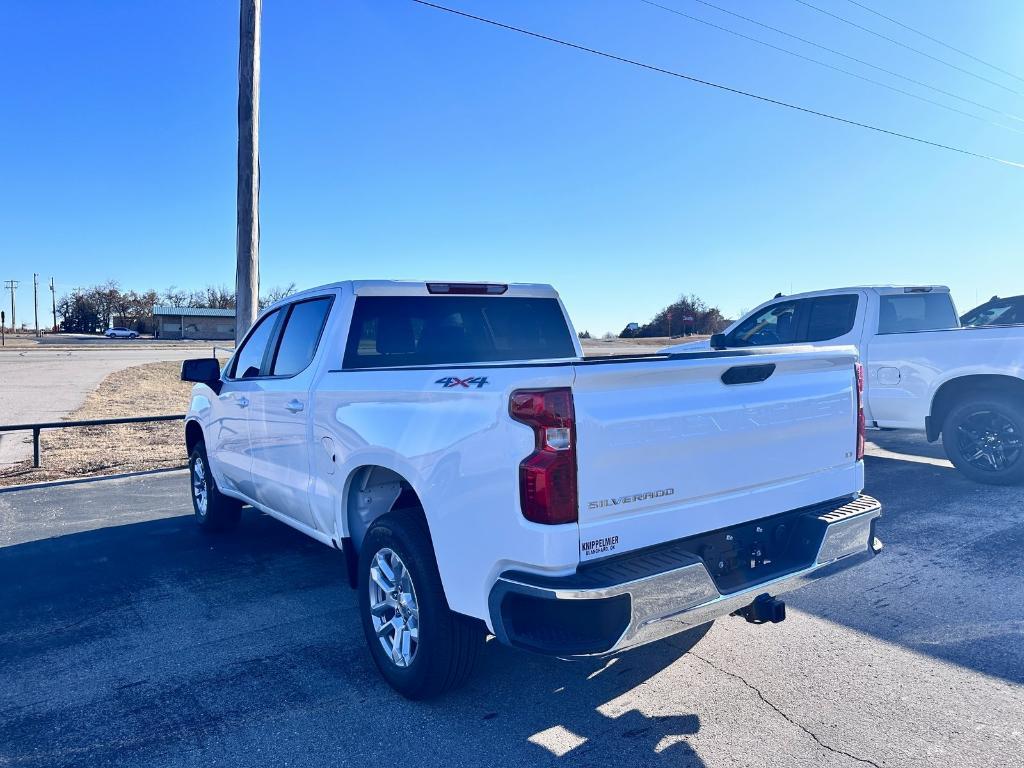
x=950, y=581
x=152, y=644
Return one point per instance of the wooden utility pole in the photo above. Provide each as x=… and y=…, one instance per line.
x=12, y=286
x=53, y=299
x=247, y=237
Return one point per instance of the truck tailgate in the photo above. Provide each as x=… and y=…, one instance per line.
x=670, y=448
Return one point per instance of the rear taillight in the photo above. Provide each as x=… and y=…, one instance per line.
x=547, y=477
x=861, y=424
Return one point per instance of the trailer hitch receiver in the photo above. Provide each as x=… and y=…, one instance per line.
x=765, y=608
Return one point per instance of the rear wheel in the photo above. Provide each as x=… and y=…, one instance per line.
x=984, y=438
x=421, y=647
x=214, y=511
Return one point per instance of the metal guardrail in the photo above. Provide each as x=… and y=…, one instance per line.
x=38, y=427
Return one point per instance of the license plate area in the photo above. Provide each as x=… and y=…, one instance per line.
x=750, y=553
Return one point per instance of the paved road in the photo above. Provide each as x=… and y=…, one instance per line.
x=47, y=384
x=127, y=638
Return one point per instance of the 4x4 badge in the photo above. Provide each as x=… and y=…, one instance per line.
x=451, y=381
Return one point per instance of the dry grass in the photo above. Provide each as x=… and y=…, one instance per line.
x=153, y=389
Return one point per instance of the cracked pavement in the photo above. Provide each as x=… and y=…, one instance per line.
x=129, y=639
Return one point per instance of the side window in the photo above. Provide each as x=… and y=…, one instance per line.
x=249, y=360
x=904, y=313
x=300, y=337
x=831, y=317
x=775, y=324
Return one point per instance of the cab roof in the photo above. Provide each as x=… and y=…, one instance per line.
x=430, y=287
x=881, y=289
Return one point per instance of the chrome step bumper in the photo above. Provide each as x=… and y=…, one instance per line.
x=640, y=597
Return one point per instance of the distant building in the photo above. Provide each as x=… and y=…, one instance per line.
x=194, y=323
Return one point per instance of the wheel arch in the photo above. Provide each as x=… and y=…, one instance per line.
x=193, y=435
x=371, y=491
x=956, y=390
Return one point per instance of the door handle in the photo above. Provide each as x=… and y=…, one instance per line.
x=242, y=402
x=294, y=406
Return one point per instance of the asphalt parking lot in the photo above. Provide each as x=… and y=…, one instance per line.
x=128, y=638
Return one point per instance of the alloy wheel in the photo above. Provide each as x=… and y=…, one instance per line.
x=199, y=490
x=989, y=441
x=394, y=610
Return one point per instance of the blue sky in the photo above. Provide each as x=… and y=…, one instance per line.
x=398, y=141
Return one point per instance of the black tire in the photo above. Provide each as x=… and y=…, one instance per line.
x=447, y=644
x=217, y=512
x=984, y=438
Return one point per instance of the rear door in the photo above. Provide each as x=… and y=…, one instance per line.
x=280, y=432
x=901, y=356
x=668, y=449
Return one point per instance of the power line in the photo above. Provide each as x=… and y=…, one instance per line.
x=710, y=84
x=826, y=65
x=894, y=41
x=848, y=57
x=935, y=40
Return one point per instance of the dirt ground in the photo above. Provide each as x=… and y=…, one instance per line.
x=153, y=389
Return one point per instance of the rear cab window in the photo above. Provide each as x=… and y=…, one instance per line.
x=397, y=331
x=909, y=312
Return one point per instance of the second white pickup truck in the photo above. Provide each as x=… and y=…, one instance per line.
x=481, y=476
x=924, y=371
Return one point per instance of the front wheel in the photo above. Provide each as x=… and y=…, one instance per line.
x=214, y=511
x=984, y=438
x=421, y=647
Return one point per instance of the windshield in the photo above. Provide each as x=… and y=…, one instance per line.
x=996, y=312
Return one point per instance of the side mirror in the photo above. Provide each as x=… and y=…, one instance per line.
x=204, y=370
x=718, y=341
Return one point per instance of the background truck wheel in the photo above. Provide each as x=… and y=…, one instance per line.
x=984, y=438
x=421, y=647
x=214, y=511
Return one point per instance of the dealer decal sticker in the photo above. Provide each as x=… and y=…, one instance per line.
x=602, y=546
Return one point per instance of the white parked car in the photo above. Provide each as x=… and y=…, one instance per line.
x=480, y=476
x=120, y=333
x=924, y=371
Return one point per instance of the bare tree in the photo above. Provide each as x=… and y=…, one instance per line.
x=276, y=294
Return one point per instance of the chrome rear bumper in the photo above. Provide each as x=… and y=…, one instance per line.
x=598, y=613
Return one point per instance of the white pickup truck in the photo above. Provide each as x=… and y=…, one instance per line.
x=481, y=476
x=924, y=371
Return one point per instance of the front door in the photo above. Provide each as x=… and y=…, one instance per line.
x=229, y=440
x=280, y=426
